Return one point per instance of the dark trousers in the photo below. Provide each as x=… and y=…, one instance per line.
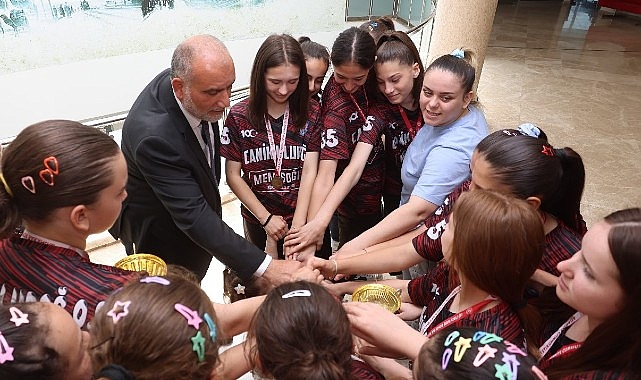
x=351, y=227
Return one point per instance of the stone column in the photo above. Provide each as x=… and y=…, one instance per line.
x=463, y=24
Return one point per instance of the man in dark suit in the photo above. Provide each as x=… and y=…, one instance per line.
x=173, y=208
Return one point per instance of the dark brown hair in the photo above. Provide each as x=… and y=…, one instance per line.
x=463, y=68
x=557, y=178
x=497, y=233
x=302, y=337
x=615, y=344
x=312, y=49
x=354, y=45
x=429, y=364
x=275, y=51
x=397, y=46
x=153, y=340
x=83, y=154
x=377, y=27
x=32, y=358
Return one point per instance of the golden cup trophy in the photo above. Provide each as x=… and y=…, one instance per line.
x=152, y=264
x=381, y=294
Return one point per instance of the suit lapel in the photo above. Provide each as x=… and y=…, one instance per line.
x=204, y=173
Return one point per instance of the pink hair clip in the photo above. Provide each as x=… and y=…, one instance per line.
x=18, y=317
x=155, y=279
x=27, y=183
x=484, y=354
x=6, y=351
x=119, y=310
x=192, y=316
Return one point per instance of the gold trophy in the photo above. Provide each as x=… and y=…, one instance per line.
x=152, y=264
x=381, y=294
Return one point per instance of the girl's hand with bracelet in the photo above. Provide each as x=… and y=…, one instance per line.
x=275, y=226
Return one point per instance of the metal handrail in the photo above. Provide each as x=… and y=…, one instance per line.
x=423, y=23
x=113, y=122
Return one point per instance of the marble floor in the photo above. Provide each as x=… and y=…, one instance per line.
x=575, y=71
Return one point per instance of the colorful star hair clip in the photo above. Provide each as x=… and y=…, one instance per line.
x=198, y=346
x=211, y=325
x=192, y=316
x=18, y=317
x=6, y=351
x=240, y=289
x=119, y=310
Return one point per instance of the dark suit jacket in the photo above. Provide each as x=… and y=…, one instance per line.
x=173, y=207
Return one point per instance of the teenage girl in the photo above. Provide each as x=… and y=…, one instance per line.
x=600, y=337
x=61, y=181
x=438, y=159
x=344, y=107
x=264, y=140
x=518, y=162
x=317, y=64
x=301, y=331
x=466, y=353
x=479, y=284
x=160, y=328
x=399, y=73
x=40, y=340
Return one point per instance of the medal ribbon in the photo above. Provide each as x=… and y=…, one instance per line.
x=566, y=350
x=419, y=122
x=548, y=343
x=358, y=108
x=278, y=158
x=454, y=318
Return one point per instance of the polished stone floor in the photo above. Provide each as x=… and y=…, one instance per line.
x=575, y=71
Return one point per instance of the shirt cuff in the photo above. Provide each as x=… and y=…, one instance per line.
x=263, y=267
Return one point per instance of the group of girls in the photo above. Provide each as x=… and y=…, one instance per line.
x=293, y=162
x=61, y=181
x=510, y=245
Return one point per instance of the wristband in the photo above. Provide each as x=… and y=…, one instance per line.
x=335, y=267
x=267, y=220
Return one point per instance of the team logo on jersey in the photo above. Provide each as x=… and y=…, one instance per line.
x=248, y=133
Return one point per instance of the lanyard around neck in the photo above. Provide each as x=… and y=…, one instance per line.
x=550, y=342
x=406, y=120
x=358, y=108
x=277, y=181
x=456, y=317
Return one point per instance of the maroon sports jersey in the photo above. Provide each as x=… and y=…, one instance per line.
x=244, y=143
x=560, y=243
x=387, y=118
x=343, y=127
x=430, y=290
x=35, y=271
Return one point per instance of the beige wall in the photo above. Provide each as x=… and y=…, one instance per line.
x=463, y=24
